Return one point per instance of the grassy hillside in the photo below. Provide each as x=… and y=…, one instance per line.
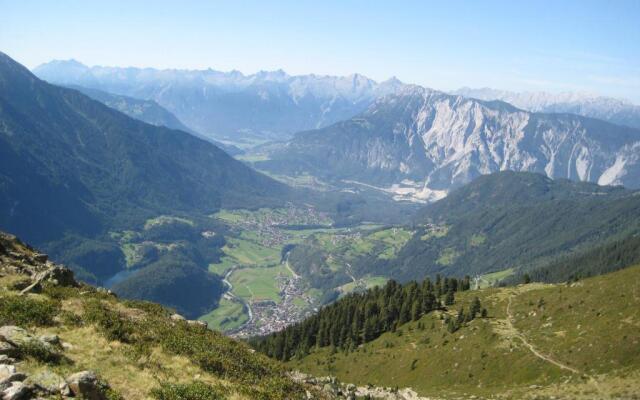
x=137, y=349
x=539, y=341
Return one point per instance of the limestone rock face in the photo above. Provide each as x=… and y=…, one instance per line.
x=444, y=141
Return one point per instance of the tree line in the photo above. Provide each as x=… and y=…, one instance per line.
x=362, y=317
x=608, y=257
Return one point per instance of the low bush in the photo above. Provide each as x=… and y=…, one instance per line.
x=26, y=311
x=190, y=391
x=39, y=351
x=113, y=325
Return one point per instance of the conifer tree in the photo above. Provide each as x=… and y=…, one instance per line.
x=449, y=299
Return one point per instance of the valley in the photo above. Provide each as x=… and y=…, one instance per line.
x=265, y=292
x=174, y=228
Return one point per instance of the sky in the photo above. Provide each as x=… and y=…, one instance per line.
x=541, y=45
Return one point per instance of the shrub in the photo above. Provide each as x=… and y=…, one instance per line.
x=191, y=391
x=39, y=351
x=110, y=322
x=26, y=311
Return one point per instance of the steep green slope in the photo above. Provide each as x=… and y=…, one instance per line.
x=138, y=350
x=116, y=169
x=609, y=257
x=577, y=341
x=362, y=317
x=513, y=220
x=146, y=111
x=74, y=172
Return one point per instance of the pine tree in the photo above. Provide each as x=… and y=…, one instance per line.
x=362, y=317
x=475, y=307
x=461, y=317
x=449, y=299
x=416, y=310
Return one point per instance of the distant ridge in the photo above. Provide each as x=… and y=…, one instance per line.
x=231, y=105
x=609, y=109
x=443, y=141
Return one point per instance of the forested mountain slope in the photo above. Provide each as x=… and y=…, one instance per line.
x=66, y=156
x=507, y=222
x=514, y=220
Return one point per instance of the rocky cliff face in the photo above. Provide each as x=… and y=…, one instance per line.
x=445, y=141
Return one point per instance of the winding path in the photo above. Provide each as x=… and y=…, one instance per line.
x=516, y=333
x=524, y=341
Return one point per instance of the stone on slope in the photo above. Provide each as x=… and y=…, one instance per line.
x=49, y=382
x=85, y=384
x=17, y=391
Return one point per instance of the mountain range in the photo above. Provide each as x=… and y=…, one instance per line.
x=231, y=105
x=443, y=141
x=609, y=109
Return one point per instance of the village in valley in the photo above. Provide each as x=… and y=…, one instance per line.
x=264, y=292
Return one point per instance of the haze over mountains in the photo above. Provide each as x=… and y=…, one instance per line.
x=610, y=109
x=231, y=105
x=147, y=111
x=412, y=141
x=443, y=141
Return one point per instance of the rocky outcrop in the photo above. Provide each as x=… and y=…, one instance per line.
x=19, y=258
x=19, y=337
x=48, y=382
x=18, y=385
x=338, y=390
x=86, y=385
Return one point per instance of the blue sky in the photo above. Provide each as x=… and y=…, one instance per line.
x=557, y=45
